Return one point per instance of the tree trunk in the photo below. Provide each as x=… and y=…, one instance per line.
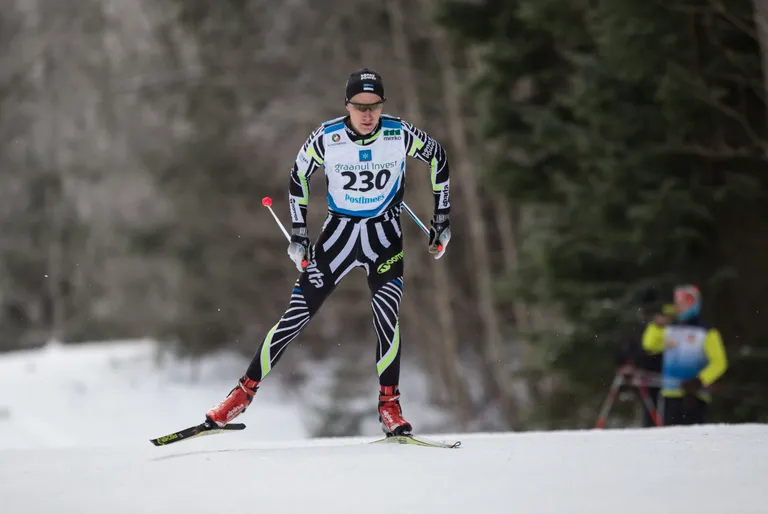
x=478, y=235
x=445, y=339
x=52, y=169
x=761, y=24
x=507, y=233
x=508, y=229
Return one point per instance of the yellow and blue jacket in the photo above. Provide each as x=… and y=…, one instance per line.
x=690, y=349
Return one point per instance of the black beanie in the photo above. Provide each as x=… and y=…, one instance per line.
x=364, y=81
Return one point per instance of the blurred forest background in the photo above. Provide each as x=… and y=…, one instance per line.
x=601, y=151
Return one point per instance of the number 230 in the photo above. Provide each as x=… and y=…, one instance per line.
x=368, y=180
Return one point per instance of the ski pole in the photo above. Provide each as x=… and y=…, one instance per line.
x=419, y=223
x=267, y=202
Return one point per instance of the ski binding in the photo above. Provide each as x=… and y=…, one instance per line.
x=415, y=440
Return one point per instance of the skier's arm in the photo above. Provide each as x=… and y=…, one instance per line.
x=653, y=338
x=310, y=158
x=718, y=363
x=422, y=146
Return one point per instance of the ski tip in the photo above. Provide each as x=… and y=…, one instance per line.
x=162, y=441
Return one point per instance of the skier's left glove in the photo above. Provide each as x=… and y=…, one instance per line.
x=690, y=389
x=439, y=235
x=691, y=386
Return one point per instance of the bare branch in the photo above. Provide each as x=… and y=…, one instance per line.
x=719, y=152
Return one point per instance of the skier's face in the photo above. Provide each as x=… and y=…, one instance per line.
x=687, y=302
x=364, y=111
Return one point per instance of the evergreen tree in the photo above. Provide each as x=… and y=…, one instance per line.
x=638, y=131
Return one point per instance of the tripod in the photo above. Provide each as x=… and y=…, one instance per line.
x=638, y=378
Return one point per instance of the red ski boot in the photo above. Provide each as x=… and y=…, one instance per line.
x=390, y=414
x=235, y=403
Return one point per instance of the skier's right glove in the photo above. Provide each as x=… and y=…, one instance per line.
x=439, y=235
x=300, y=248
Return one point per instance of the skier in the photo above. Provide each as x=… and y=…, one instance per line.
x=364, y=157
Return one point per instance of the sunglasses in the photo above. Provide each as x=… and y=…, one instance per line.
x=367, y=107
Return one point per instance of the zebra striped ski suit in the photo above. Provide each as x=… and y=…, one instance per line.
x=366, y=180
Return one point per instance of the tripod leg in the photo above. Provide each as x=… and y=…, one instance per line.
x=649, y=405
x=618, y=380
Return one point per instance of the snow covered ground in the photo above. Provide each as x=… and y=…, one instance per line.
x=117, y=392
x=67, y=447
x=698, y=470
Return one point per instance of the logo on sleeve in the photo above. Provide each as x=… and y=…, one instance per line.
x=429, y=149
x=366, y=155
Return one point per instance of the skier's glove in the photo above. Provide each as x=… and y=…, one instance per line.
x=691, y=386
x=439, y=234
x=300, y=249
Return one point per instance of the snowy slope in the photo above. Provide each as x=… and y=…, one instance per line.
x=75, y=423
x=112, y=393
x=702, y=470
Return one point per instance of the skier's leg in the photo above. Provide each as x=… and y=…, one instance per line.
x=288, y=327
x=382, y=251
x=331, y=261
x=385, y=306
x=385, y=303
x=673, y=411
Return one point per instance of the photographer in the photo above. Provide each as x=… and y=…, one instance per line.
x=693, y=358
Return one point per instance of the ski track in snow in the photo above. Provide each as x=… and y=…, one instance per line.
x=75, y=425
